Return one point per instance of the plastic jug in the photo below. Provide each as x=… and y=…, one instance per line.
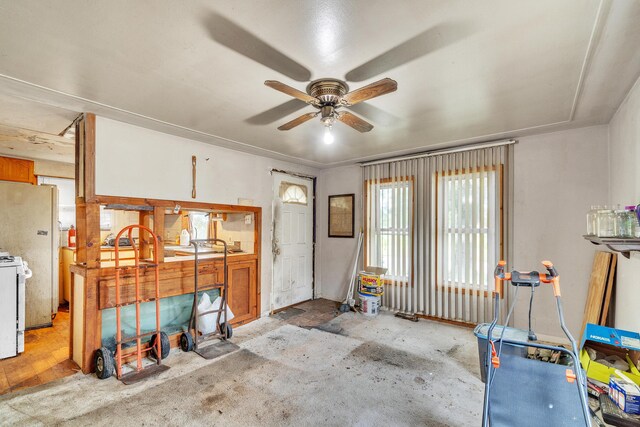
x=184, y=238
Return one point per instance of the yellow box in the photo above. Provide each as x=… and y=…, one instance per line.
x=372, y=276
x=600, y=372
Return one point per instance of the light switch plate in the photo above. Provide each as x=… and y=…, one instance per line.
x=247, y=219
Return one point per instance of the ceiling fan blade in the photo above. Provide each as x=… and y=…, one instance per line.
x=371, y=112
x=236, y=38
x=292, y=92
x=378, y=88
x=276, y=113
x=424, y=43
x=298, y=121
x=354, y=121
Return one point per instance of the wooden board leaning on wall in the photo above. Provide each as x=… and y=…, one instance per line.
x=601, y=282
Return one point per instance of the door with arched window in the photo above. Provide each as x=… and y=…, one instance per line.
x=292, y=240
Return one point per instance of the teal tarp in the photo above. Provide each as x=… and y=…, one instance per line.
x=174, y=317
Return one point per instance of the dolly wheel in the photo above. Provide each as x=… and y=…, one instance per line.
x=104, y=363
x=186, y=342
x=229, y=330
x=165, y=345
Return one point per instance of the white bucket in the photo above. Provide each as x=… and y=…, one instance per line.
x=369, y=304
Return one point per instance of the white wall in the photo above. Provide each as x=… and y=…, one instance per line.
x=336, y=255
x=624, y=158
x=557, y=177
x=138, y=162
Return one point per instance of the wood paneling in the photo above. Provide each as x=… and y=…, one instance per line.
x=175, y=279
x=242, y=291
x=216, y=207
x=17, y=170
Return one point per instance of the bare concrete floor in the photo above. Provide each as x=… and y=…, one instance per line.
x=351, y=370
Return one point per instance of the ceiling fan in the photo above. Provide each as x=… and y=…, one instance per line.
x=328, y=95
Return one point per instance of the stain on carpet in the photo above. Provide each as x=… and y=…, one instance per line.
x=332, y=328
x=288, y=313
x=380, y=353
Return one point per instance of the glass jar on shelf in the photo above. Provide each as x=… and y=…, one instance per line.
x=623, y=224
x=634, y=221
x=606, y=222
x=592, y=225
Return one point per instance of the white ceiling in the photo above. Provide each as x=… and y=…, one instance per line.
x=466, y=71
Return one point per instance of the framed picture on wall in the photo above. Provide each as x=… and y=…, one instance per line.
x=341, y=215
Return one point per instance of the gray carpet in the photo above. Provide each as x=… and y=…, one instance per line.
x=364, y=372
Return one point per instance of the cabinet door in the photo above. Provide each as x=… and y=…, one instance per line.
x=17, y=170
x=242, y=291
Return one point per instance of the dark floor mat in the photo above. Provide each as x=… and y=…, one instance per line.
x=218, y=349
x=288, y=313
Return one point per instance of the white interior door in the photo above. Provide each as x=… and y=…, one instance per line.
x=292, y=240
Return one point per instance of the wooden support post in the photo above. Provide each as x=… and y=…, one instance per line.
x=158, y=229
x=89, y=159
x=88, y=234
x=93, y=241
x=92, y=321
x=145, y=247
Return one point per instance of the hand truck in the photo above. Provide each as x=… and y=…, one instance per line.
x=526, y=392
x=159, y=345
x=223, y=330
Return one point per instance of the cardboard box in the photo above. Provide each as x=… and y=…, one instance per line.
x=625, y=395
x=609, y=341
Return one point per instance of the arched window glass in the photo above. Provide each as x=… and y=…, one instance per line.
x=293, y=193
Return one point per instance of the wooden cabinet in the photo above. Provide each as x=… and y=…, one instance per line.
x=68, y=257
x=17, y=170
x=243, y=291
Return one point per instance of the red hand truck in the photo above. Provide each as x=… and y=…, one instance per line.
x=159, y=345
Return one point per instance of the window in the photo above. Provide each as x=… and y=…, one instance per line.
x=105, y=218
x=389, y=206
x=468, y=228
x=199, y=225
x=293, y=193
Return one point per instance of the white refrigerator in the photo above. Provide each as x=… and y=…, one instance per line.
x=29, y=229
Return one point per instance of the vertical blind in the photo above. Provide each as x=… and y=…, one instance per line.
x=439, y=225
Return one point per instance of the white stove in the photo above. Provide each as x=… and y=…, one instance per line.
x=13, y=273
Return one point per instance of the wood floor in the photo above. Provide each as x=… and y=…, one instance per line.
x=46, y=358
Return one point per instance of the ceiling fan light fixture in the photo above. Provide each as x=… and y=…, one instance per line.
x=328, y=136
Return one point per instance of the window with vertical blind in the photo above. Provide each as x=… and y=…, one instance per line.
x=438, y=223
x=389, y=213
x=468, y=227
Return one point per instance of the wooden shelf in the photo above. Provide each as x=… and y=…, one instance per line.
x=617, y=244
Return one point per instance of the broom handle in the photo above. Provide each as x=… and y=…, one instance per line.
x=355, y=269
